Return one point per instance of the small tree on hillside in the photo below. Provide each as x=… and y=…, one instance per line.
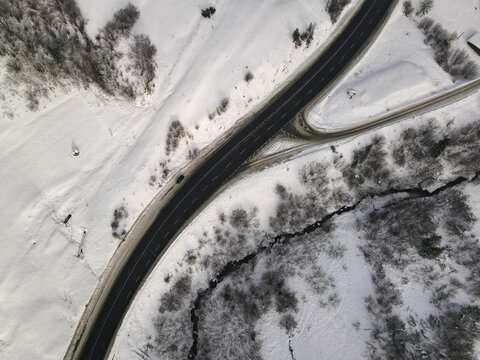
x=122, y=23
x=297, y=38
x=208, y=12
x=407, y=8
x=307, y=35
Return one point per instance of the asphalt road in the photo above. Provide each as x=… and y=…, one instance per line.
x=196, y=188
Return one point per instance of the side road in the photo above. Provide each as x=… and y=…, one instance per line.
x=329, y=135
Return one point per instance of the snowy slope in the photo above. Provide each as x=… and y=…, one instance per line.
x=398, y=69
x=44, y=285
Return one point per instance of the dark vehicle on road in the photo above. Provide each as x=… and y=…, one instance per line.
x=180, y=179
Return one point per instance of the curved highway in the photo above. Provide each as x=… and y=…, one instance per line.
x=196, y=188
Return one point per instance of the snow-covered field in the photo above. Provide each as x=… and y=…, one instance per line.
x=44, y=286
x=398, y=69
x=331, y=324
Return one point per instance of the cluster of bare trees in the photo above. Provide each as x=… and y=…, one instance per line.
x=176, y=132
x=393, y=241
x=411, y=232
x=46, y=44
x=423, y=9
x=208, y=12
x=454, y=61
x=221, y=108
x=119, y=230
x=305, y=36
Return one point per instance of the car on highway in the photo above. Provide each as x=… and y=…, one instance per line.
x=180, y=179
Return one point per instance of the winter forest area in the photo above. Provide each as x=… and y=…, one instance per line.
x=397, y=217
x=353, y=233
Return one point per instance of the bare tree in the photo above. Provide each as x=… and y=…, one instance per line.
x=121, y=24
x=425, y=24
x=307, y=35
x=296, y=38
x=425, y=7
x=142, y=53
x=407, y=8
x=458, y=57
x=469, y=70
x=176, y=132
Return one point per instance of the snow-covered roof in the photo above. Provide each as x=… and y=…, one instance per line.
x=475, y=40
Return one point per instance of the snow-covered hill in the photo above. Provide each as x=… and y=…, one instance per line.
x=121, y=147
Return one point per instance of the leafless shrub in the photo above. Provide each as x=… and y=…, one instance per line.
x=192, y=153
x=208, y=12
x=176, y=132
x=153, y=180
x=242, y=220
x=459, y=216
x=239, y=219
x=319, y=280
x=314, y=175
x=458, y=57
x=368, y=168
x=421, y=146
x=426, y=24
x=462, y=152
x=424, y=7
x=469, y=70
x=221, y=109
x=390, y=241
x=13, y=65
x=297, y=38
x=118, y=223
x=288, y=322
x=407, y=8
x=142, y=53
x=32, y=99
x=455, y=332
x=294, y=210
x=455, y=62
x=248, y=76
x=172, y=338
x=306, y=36
x=177, y=295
